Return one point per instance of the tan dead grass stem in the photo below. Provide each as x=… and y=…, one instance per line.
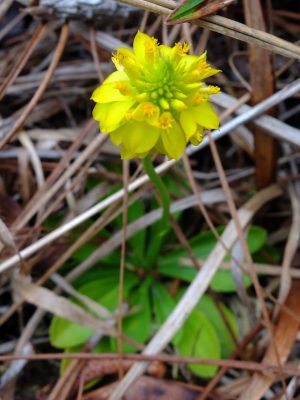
x=42, y=87
x=226, y=27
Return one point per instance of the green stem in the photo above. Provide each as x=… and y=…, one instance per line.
x=155, y=244
x=160, y=186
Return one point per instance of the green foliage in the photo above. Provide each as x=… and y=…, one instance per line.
x=171, y=265
x=163, y=304
x=64, y=333
x=186, y=10
x=137, y=242
x=211, y=312
x=204, y=334
x=137, y=326
x=199, y=339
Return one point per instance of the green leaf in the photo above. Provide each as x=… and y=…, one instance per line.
x=84, y=252
x=64, y=333
x=266, y=253
x=163, y=305
x=202, y=245
x=137, y=242
x=137, y=326
x=223, y=282
x=155, y=243
x=257, y=238
x=207, y=306
x=186, y=274
x=199, y=339
x=186, y=9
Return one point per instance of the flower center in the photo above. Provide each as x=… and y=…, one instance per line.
x=149, y=110
x=123, y=88
x=165, y=121
x=150, y=45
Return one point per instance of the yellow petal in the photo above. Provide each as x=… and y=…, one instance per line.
x=188, y=124
x=173, y=140
x=159, y=146
x=116, y=77
x=111, y=115
x=126, y=154
x=130, y=63
x=207, y=72
x=178, y=105
x=116, y=137
x=186, y=64
x=197, y=137
x=136, y=137
x=205, y=115
x=167, y=52
x=107, y=93
x=144, y=46
x=147, y=112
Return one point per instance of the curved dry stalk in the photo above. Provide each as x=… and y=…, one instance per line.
x=290, y=248
x=35, y=160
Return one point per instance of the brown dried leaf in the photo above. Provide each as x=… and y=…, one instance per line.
x=57, y=305
x=147, y=388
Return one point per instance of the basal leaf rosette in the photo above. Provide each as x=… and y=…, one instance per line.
x=156, y=101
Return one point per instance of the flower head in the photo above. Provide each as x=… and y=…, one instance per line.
x=156, y=100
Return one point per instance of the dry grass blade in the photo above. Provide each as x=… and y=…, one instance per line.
x=15, y=368
x=87, y=301
x=4, y=6
x=23, y=58
x=290, y=248
x=262, y=82
x=284, y=338
x=35, y=161
x=6, y=237
x=288, y=370
x=265, y=269
x=256, y=37
x=227, y=27
x=197, y=287
x=38, y=200
x=57, y=305
x=44, y=83
x=273, y=126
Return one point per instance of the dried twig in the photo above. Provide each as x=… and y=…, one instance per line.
x=40, y=91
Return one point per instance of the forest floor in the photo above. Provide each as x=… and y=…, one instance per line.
x=90, y=284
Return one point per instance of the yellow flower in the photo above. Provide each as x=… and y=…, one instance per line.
x=155, y=101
